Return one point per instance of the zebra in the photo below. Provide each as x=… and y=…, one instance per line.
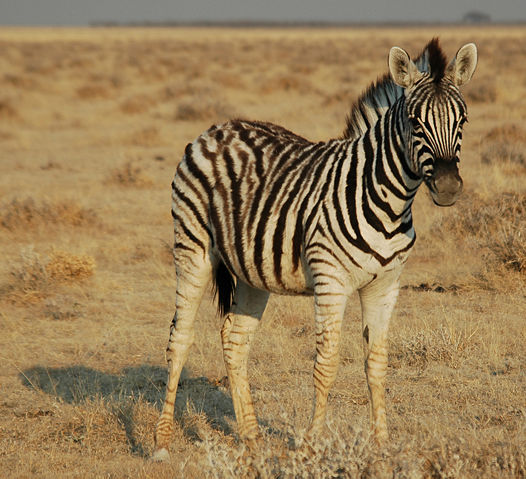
x=258, y=209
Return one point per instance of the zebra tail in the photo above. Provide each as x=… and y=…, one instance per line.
x=224, y=288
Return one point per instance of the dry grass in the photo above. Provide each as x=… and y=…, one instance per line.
x=93, y=124
x=496, y=225
x=131, y=173
x=33, y=278
x=30, y=213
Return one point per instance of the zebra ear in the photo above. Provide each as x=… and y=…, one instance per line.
x=402, y=69
x=462, y=67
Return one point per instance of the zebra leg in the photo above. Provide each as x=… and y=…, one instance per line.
x=329, y=310
x=377, y=299
x=190, y=289
x=238, y=329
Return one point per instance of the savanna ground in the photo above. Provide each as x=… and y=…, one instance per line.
x=92, y=125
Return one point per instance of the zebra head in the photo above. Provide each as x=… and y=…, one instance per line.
x=434, y=114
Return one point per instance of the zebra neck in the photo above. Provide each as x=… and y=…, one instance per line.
x=388, y=183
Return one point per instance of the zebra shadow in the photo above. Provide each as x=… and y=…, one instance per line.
x=120, y=392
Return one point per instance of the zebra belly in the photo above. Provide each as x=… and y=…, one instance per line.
x=289, y=281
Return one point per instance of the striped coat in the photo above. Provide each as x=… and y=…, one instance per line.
x=261, y=209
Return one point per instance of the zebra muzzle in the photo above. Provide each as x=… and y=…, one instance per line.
x=445, y=185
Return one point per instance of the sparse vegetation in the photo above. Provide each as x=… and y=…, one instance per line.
x=131, y=174
x=30, y=213
x=93, y=123
x=32, y=278
x=203, y=108
x=496, y=225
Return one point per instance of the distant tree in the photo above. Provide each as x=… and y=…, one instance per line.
x=476, y=17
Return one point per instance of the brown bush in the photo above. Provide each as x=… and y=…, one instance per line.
x=483, y=90
x=29, y=278
x=446, y=344
x=131, y=174
x=149, y=136
x=91, y=92
x=287, y=82
x=33, y=278
x=63, y=266
x=509, y=133
x=498, y=225
x=137, y=104
x=7, y=110
x=22, y=213
x=195, y=109
x=504, y=152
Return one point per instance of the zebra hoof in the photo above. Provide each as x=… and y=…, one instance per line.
x=161, y=455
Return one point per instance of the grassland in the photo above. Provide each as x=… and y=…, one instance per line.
x=92, y=125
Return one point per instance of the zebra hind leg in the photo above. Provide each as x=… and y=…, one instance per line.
x=237, y=332
x=191, y=283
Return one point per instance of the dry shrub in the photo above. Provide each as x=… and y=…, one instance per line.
x=509, y=133
x=196, y=109
x=30, y=212
x=92, y=92
x=505, y=154
x=505, y=147
x=509, y=247
x=496, y=225
x=63, y=266
x=29, y=279
x=452, y=460
x=131, y=174
x=229, y=80
x=287, y=83
x=342, y=454
x=7, y=110
x=150, y=136
x=18, y=81
x=446, y=344
x=33, y=278
x=137, y=104
x=483, y=90
x=62, y=307
x=349, y=454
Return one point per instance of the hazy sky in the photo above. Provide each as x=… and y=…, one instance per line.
x=82, y=12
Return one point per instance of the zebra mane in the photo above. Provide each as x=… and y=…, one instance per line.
x=383, y=93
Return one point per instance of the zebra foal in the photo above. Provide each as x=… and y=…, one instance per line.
x=260, y=210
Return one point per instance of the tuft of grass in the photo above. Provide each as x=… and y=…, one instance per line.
x=63, y=266
x=484, y=90
x=33, y=278
x=446, y=344
x=93, y=92
x=149, y=136
x=30, y=212
x=198, y=108
x=496, y=225
x=7, y=110
x=509, y=133
x=287, y=82
x=137, y=104
x=29, y=278
x=131, y=174
x=505, y=153
x=347, y=453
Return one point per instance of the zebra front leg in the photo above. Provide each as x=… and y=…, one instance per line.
x=329, y=310
x=190, y=290
x=236, y=335
x=377, y=299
